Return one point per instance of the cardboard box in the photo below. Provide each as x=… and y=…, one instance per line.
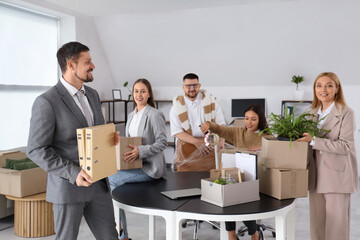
x=278, y=154
x=6, y=206
x=20, y=183
x=231, y=194
x=124, y=148
x=283, y=183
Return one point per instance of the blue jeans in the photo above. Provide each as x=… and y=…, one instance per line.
x=122, y=177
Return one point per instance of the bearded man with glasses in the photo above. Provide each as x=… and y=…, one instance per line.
x=188, y=112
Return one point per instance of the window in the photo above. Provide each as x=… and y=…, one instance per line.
x=28, y=67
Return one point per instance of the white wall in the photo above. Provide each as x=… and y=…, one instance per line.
x=244, y=51
x=250, y=44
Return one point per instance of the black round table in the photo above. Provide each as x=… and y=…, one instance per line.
x=146, y=198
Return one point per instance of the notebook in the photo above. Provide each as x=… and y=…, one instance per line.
x=175, y=194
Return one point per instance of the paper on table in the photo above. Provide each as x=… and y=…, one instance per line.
x=228, y=160
x=247, y=163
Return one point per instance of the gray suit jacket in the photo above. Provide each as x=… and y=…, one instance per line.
x=52, y=142
x=334, y=168
x=153, y=132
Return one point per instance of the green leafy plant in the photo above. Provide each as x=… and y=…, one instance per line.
x=126, y=84
x=297, y=79
x=293, y=126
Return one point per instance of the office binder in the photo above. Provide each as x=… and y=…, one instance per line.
x=99, y=151
x=80, y=135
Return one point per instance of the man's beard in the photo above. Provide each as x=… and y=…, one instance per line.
x=87, y=79
x=191, y=95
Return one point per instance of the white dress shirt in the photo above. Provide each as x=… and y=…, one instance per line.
x=72, y=91
x=135, y=121
x=322, y=114
x=196, y=117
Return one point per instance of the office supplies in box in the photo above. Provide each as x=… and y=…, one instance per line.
x=20, y=183
x=98, y=149
x=278, y=154
x=124, y=148
x=236, y=193
x=283, y=183
x=223, y=172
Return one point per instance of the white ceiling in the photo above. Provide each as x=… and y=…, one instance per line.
x=111, y=7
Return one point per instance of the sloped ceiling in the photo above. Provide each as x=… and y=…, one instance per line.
x=226, y=42
x=111, y=7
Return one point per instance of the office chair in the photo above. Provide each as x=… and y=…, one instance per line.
x=215, y=225
x=261, y=228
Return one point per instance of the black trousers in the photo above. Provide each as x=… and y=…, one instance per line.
x=251, y=225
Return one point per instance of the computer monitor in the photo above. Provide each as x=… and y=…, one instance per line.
x=238, y=106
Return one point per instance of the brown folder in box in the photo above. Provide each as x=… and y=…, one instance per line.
x=124, y=148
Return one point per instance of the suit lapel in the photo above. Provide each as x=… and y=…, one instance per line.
x=70, y=103
x=332, y=119
x=143, y=121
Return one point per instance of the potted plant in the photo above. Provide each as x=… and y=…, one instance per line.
x=298, y=94
x=291, y=127
x=126, y=85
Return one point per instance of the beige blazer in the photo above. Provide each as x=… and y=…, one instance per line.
x=333, y=168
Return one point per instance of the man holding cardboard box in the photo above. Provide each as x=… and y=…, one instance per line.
x=188, y=112
x=52, y=145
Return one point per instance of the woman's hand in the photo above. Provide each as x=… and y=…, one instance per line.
x=205, y=127
x=132, y=155
x=255, y=148
x=306, y=138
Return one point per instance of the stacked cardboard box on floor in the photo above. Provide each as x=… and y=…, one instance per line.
x=283, y=172
x=20, y=183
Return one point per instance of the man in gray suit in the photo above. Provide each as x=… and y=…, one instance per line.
x=52, y=145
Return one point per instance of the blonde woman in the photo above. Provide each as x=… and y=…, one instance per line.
x=333, y=172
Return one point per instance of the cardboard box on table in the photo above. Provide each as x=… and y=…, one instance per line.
x=231, y=194
x=20, y=183
x=283, y=183
x=122, y=148
x=99, y=151
x=278, y=154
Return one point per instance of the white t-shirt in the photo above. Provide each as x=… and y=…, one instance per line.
x=135, y=121
x=321, y=115
x=196, y=117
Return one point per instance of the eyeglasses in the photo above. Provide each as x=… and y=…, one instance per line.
x=195, y=85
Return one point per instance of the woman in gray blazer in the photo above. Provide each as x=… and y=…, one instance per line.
x=333, y=172
x=149, y=123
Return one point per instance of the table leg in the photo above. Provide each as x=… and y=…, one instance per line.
x=172, y=227
x=117, y=217
x=280, y=227
x=223, y=233
x=152, y=227
x=290, y=224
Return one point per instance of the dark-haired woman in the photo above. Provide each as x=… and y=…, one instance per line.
x=149, y=123
x=242, y=137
